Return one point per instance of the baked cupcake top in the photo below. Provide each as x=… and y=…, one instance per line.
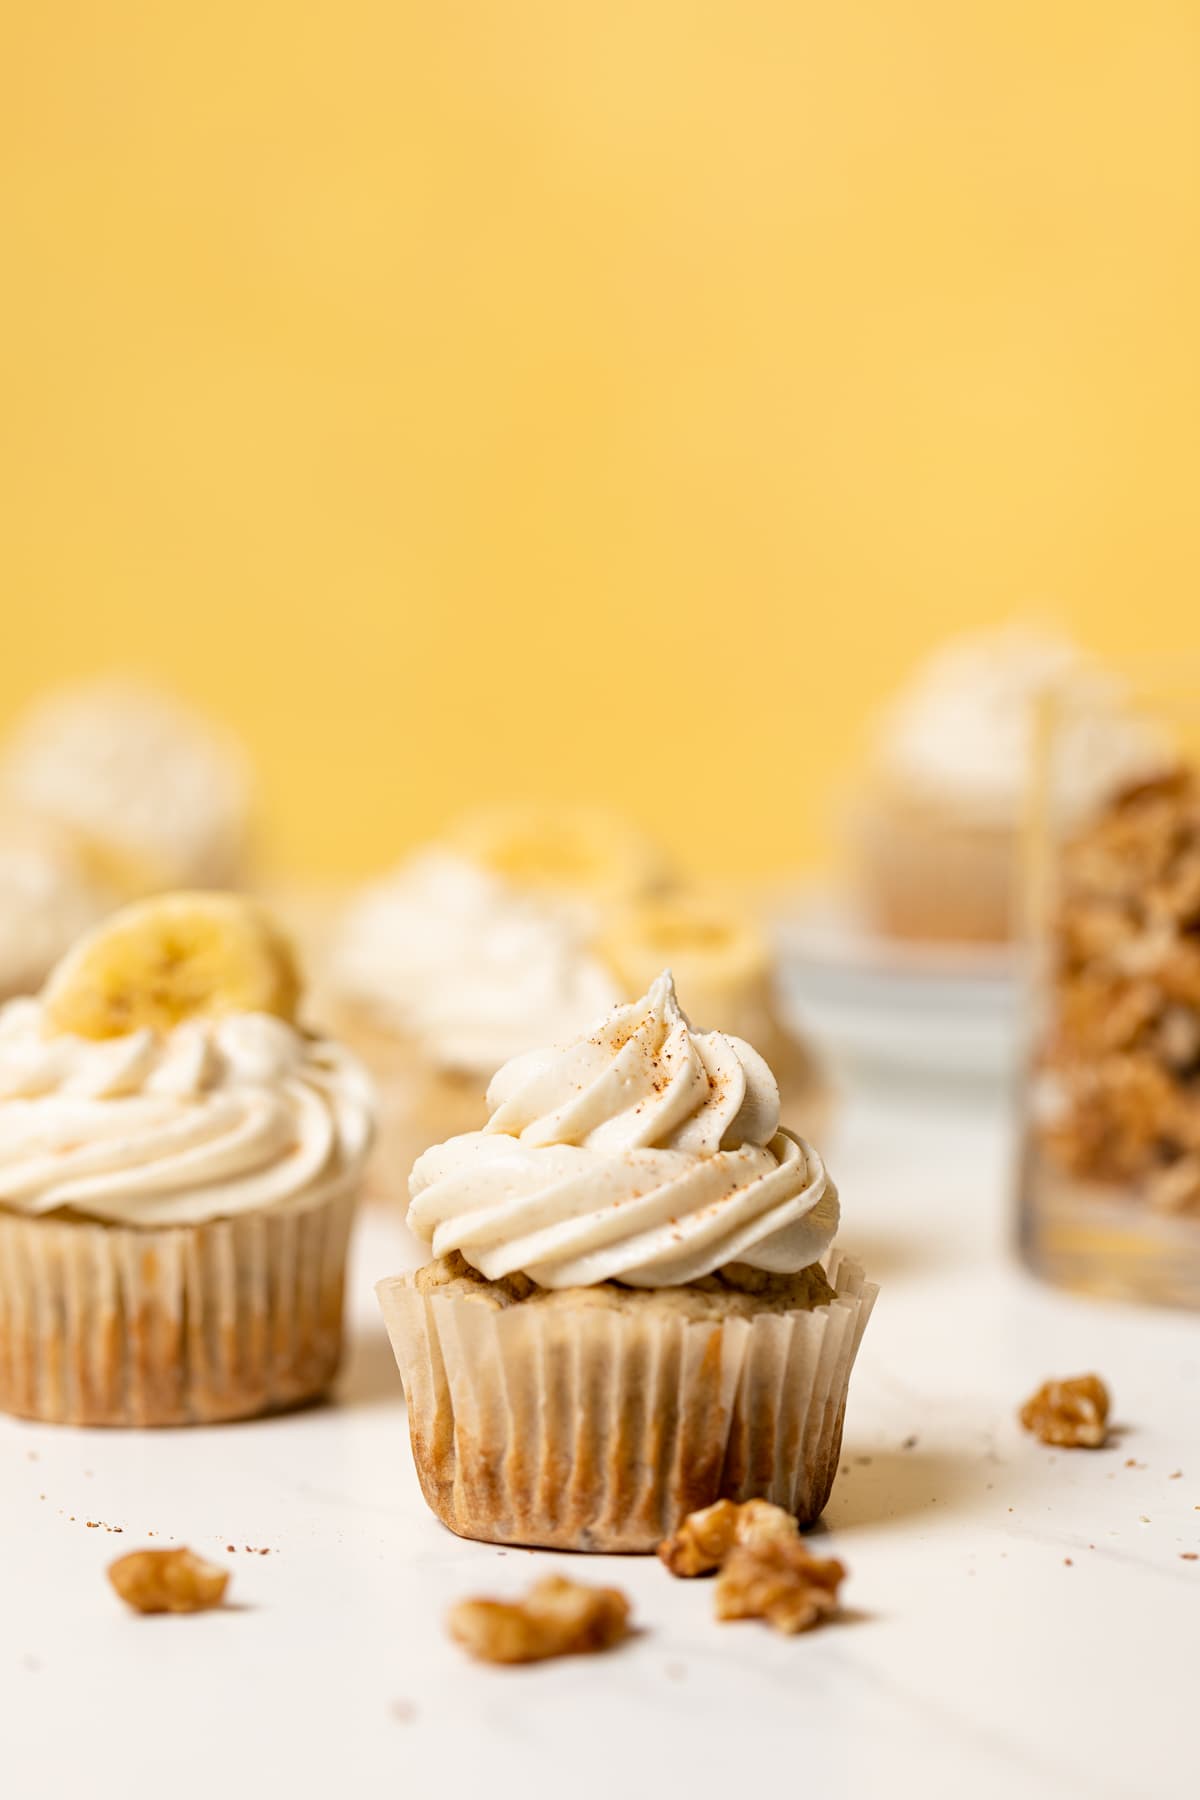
x=161, y=1078
x=476, y=972
x=645, y=1153
x=961, y=735
x=151, y=786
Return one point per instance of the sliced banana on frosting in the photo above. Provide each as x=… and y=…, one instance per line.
x=718, y=956
x=170, y=958
x=567, y=849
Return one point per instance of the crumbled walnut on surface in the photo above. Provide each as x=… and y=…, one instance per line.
x=1072, y=1414
x=177, y=1581
x=706, y=1538
x=776, y=1579
x=556, y=1618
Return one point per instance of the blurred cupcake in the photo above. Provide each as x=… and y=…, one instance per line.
x=576, y=856
x=49, y=893
x=935, y=831
x=634, y=1308
x=157, y=795
x=441, y=972
x=179, y=1164
x=720, y=959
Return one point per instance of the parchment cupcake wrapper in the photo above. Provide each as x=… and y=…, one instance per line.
x=107, y=1325
x=598, y=1428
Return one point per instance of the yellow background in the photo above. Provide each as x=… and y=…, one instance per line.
x=604, y=399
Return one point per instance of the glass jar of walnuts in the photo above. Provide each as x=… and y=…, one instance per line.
x=1110, y=1170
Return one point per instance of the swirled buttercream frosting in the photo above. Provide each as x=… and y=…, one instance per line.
x=645, y=1153
x=472, y=969
x=213, y=1118
x=140, y=776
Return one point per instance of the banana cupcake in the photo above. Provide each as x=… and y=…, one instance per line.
x=935, y=832
x=721, y=960
x=179, y=1162
x=156, y=794
x=441, y=972
x=635, y=1307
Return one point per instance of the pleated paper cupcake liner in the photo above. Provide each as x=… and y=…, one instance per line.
x=929, y=878
x=598, y=1427
x=185, y=1325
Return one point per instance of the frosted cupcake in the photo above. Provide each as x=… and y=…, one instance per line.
x=440, y=973
x=635, y=1307
x=157, y=795
x=179, y=1163
x=935, y=833
x=49, y=893
x=722, y=962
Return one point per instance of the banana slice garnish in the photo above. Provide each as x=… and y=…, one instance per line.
x=567, y=849
x=170, y=958
x=717, y=955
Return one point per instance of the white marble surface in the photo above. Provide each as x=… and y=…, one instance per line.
x=1020, y=1621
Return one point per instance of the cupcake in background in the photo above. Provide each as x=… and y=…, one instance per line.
x=440, y=972
x=935, y=831
x=634, y=1306
x=49, y=893
x=179, y=1165
x=571, y=856
x=155, y=794
x=721, y=960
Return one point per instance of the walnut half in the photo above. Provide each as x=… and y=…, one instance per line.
x=706, y=1538
x=1072, y=1413
x=556, y=1618
x=176, y=1581
x=777, y=1580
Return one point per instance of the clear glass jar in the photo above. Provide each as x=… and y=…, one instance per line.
x=1110, y=1166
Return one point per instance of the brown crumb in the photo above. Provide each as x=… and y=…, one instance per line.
x=1175, y=1475
x=1072, y=1413
x=1067, y=1561
x=777, y=1580
x=705, y=1538
x=177, y=1581
x=556, y=1618
x=1189, y=1555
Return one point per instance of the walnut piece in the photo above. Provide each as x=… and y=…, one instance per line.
x=556, y=1618
x=706, y=1538
x=776, y=1579
x=177, y=1581
x=1072, y=1413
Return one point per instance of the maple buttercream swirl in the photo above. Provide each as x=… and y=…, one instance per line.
x=645, y=1153
x=211, y=1119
